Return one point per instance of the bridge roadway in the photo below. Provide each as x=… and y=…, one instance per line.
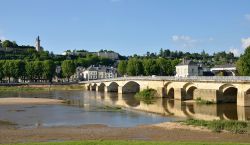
x=233, y=89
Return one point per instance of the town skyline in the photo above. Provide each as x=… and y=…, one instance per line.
x=129, y=27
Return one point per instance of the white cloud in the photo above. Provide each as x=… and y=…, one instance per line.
x=235, y=51
x=247, y=16
x=184, y=40
x=245, y=42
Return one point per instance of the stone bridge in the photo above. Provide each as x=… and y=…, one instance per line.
x=216, y=89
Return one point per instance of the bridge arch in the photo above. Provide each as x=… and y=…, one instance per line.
x=131, y=87
x=190, y=93
x=113, y=87
x=169, y=89
x=248, y=94
x=93, y=87
x=170, y=93
x=189, y=90
x=223, y=87
x=228, y=93
x=101, y=87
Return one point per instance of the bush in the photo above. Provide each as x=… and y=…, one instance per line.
x=201, y=101
x=147, y=96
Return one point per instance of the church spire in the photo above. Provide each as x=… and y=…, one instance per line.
x=38, y=47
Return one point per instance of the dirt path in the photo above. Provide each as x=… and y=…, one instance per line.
x=160, y=132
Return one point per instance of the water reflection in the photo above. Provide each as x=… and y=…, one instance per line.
x=83, y=108
x=229, y=111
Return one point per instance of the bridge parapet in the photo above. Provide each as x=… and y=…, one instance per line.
x=224, y=79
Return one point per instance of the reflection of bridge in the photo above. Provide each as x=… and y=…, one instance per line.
x=216, y=89
x=177, y=108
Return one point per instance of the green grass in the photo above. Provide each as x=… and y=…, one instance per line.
x=220, y=125
x=201, y=101
x=5, y=123
x=98, y=142
x=148, y=96
x=45, y=88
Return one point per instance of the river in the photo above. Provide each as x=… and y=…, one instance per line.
x=90, y=107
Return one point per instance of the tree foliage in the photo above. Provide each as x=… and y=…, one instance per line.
x=122, y=67
x=243, y=64
x=48, y=69
x=68, y=68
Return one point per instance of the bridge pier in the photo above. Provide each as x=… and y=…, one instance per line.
x=99, y=89
x=179, y=93
x=161, y=92
x=207, y=94
x=243, y=113
x=243, y=98
x=87, y=87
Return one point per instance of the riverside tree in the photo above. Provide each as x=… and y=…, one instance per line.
x=150, y=67
x=243, y=64
x=1, y=70
x=11, y=69
x=134, y=67
x=68, y=68
x=30, y=70
x=48, y=70
x=122, y=67
x=164, y=66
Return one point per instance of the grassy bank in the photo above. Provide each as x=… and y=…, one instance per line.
x=220, y=125
x=6, y=123
x=148, y=96
x=126, y=143
x=41, y=88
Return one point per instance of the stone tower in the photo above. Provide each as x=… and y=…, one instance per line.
x=38, y=47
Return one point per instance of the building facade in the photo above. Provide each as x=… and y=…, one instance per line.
x=110, y=55
x=102, y=72
x=188, y=68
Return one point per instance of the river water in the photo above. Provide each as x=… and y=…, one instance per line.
x=89, y=107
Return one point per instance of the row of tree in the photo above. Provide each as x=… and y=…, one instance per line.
x=34, y=71
x=147, y=66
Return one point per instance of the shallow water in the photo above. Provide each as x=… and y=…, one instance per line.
x=83, y=109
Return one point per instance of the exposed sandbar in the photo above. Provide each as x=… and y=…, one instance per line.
x=16, y=101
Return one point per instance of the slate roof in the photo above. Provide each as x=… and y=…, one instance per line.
x=91, y=68
x=187, y=62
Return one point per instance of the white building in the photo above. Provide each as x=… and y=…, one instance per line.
x=188, y=68
x=94, y=73
x=110, y=55
x=91, y=73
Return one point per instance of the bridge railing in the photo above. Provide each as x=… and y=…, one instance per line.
x=174, y=78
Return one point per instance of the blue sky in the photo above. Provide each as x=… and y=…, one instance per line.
x=128, y=26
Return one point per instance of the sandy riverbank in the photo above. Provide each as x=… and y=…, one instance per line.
x=35, y=101
x=157, y=132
